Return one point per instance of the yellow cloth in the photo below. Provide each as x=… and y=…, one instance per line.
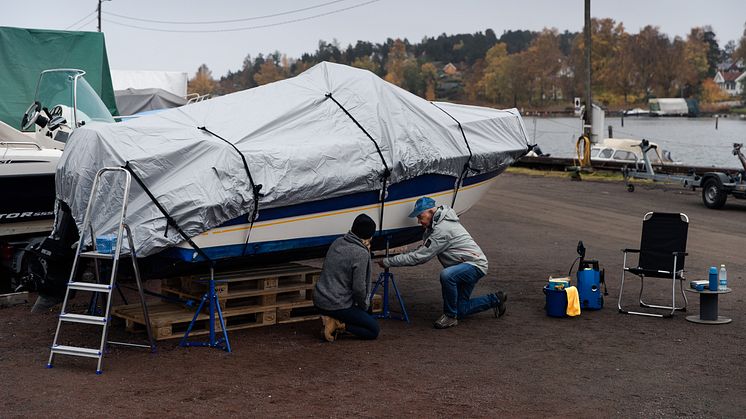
x=573, y=301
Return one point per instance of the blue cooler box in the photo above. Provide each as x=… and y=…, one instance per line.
x=106, y=243
x=556, y=302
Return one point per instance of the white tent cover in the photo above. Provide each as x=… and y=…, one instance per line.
x=298, y=144
x=170, y=81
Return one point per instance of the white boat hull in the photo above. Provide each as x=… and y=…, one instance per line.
x=320, y=228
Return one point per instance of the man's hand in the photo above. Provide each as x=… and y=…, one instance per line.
x=380, y=263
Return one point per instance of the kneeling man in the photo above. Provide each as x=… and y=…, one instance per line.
x=342, y=293
x=463, y=261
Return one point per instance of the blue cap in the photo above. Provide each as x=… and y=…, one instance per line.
x=422, y=204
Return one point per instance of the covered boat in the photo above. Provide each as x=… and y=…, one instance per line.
x=284, y=168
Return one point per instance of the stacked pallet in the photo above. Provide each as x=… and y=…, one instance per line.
x=249, y=298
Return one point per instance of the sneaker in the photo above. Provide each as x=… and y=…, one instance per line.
x=500, y=307
x=445, y=322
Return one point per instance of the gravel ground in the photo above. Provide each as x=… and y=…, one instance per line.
x=525, y=364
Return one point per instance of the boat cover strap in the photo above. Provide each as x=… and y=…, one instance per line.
x=466, y=168
x=254, y=187
x=169, y=219
x=386, y=171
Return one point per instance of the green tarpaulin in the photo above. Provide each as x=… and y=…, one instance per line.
x=24, y=53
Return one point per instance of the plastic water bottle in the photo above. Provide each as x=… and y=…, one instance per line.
x=713, y=279
x=723, y=278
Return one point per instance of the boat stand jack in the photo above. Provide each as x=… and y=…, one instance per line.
x=211, y=298
x=384, y=278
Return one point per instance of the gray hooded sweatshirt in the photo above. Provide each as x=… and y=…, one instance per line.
x=447, y=239
x=345, y=276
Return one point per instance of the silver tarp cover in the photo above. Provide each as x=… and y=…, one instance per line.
x=132, y=101
x=298, y=144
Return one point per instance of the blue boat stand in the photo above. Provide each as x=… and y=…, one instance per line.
x=210, y=297
x=383, y=281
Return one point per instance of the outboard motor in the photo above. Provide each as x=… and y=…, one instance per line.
x=49, y=262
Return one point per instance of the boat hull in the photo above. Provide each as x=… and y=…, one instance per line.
x=305, y=230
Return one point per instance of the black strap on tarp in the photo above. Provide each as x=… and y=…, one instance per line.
x=169, y=220
x=254, y=187
x=386, y=171
x=467, y=167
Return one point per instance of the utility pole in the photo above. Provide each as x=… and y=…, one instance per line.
x=588, y=98
x=98, y=12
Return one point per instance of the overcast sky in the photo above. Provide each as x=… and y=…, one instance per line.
x=346, y=20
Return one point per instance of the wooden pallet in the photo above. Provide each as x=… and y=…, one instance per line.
x=14, y=298
x=250, y=287
x=249, y=298
x=169, y=320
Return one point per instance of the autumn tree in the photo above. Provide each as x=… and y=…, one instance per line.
x=202, y=82
x=472, y=79
x=740, y=50
x=366, y=64
x=544, y=60
x=396, y=63
x=493, y=84
x=694, y=65
x=711, y=92
x=269, y=72
x=648, y=47
x=430, y=78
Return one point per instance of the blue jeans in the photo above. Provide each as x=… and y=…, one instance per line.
x=457, y=282
x=356, y=320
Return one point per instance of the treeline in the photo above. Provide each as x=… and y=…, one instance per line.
x=520, y=68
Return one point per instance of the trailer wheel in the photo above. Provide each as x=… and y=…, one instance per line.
x=630, y=188
x=713, y=195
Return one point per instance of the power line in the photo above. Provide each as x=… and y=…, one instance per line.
x=86, y=23
x=247, y=27
x=80, y=20
x=205, y=22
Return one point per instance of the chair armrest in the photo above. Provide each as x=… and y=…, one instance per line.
x=631, y=250
x=680, y=254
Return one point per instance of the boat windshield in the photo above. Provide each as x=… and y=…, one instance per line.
x=67, y=92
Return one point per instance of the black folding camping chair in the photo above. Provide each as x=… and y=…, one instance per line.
x=661, y=255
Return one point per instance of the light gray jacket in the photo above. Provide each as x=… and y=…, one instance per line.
x=345, y=276
x=447, y=239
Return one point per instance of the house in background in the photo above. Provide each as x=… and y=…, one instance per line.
x=731, y=77
x=731, y=81
x=450, y=69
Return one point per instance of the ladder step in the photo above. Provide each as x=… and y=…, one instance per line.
x=97, y=255
x=76, y=351
x=83, y=318
x=89, y=286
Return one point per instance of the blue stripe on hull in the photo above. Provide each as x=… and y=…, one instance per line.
x=419, y=186
x=237, y=250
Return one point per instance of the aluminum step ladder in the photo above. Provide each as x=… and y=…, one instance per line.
x=106, y=289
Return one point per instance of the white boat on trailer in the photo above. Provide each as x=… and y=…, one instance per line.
x=284, y=168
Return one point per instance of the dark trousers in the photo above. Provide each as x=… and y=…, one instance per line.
x=357, y=321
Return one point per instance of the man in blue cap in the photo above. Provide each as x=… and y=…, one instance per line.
x=463, y=261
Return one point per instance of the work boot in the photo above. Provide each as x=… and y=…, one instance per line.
x=330, y=328
x=501, y=306
x=340, y=330
x=445, y=321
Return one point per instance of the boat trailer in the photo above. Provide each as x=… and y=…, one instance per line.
x=716, y=186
